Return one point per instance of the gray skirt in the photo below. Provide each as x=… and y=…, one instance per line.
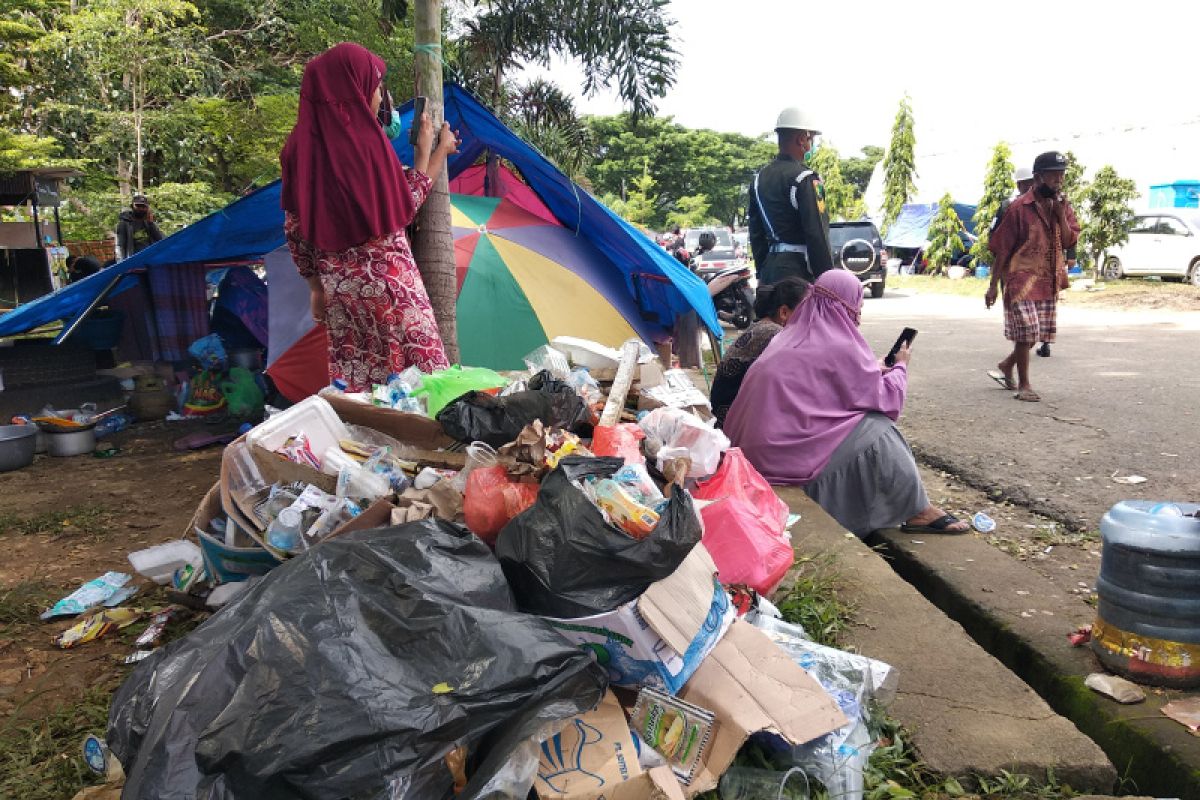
x=871, y=481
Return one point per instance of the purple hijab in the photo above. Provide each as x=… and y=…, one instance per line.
x=814, y=383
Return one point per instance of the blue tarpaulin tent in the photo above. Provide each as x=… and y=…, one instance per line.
x=911, y=228
x=252, y=227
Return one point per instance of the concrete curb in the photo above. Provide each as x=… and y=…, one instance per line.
x=1003, y=605
x=967, y=713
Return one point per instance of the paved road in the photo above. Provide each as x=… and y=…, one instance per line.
x=1120, y=396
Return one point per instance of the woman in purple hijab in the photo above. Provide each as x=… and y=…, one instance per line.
x=817, y=410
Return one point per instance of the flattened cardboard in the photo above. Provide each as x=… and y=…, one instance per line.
x=376, y=515
x=677, y=606
x=752, y=685
x=592, y=754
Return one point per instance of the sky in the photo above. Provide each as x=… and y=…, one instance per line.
x=1030, y=73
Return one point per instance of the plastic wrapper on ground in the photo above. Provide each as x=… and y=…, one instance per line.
x=563, y=559
x=353, y=671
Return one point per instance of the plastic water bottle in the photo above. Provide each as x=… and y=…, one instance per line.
x=284, y=532
x=113, y=423
x=1166, y=510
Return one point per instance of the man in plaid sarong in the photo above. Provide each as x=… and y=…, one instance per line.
x=1027, y=248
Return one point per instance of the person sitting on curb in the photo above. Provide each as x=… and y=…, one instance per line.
x=817, y=410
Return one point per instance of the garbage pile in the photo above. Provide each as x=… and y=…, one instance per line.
x=470, y=585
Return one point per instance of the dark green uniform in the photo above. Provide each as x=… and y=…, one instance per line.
x=789, y=231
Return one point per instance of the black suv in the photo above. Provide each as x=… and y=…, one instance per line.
x=858, y=247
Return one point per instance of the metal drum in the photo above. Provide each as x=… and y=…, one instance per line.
x=1148, y=620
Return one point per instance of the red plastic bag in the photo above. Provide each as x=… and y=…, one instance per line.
x=738, y=478
x=622, y=441
x=493, y=499
x=743, y=547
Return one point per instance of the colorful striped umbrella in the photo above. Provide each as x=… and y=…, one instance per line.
x=524, y=279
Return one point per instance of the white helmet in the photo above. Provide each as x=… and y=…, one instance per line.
x=793, y=119
x=1024, y=174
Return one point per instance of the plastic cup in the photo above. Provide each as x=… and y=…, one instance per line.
x=479, y=454
x=747, y=783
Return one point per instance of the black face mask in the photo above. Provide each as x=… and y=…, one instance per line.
x=141, y=213
x=1045, y=191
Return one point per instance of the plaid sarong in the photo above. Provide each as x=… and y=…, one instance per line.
x=1031, y=321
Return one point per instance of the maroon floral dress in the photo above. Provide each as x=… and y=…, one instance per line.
x=377, y=311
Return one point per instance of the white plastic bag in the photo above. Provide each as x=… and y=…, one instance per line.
x=682, y=433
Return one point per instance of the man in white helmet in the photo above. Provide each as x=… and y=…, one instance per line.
x=789, y=230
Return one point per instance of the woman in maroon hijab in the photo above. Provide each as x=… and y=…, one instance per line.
x=347, y=200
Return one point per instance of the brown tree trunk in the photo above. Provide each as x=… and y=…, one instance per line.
x=433, y=244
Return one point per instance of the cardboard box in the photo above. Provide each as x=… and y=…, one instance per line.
x=422, y=433
x=227, y=563
x=660, y=638
x=753, y=686
x=594, y=758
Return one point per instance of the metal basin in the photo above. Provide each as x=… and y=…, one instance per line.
x=16, y=446
x=74, y=443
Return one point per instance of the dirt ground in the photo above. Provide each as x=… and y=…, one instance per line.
x=64, y=522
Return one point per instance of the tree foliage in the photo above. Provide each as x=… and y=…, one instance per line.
x=857, y=170
x=690, y=212
x=899, y=165
x=945, y=236
x=1107, y=211
x=998, y=186
x=842, y=199
x=684, y=163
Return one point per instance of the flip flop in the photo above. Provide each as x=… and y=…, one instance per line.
x=999, y=378
x=1028, y=396
x=939, y=525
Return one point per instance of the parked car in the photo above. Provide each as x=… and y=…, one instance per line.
x=721, y=256
x=858, y=247
x=1164, y=242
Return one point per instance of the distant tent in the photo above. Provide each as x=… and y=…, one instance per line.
x=609, y=264
x=911, y=228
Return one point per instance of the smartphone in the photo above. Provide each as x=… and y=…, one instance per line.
x=418, y=110
x=906, y=338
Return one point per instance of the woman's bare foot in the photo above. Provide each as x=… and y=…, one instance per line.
x=936, y=519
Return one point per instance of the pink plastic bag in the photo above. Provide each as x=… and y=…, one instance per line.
x=743, y=548
x=743, y=529
x=738, y=478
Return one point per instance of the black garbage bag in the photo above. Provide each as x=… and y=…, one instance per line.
x=480, y=417
x=351, y=672
x=563, y=559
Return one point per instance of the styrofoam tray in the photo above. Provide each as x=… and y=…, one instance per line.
x=313, y=417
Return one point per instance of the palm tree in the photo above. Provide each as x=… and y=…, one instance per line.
x=544, y=116
x=623, y=44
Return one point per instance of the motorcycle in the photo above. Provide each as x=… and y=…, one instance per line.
x=729, y=288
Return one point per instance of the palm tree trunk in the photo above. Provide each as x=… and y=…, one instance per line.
x=433, y=244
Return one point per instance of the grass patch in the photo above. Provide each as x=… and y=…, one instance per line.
x=41, y=759
x=934, y=284
x=86, y=520
x=813, y=599
x=21, y=604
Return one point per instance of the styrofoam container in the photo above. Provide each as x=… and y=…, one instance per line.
x=313, y=417
x=585, y=353
x=159, y=563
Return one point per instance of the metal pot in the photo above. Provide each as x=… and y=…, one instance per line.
x=74, y=443
x=16, y=446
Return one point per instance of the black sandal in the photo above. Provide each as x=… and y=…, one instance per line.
x=940, y=525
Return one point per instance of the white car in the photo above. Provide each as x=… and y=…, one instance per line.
x=1163, y=242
